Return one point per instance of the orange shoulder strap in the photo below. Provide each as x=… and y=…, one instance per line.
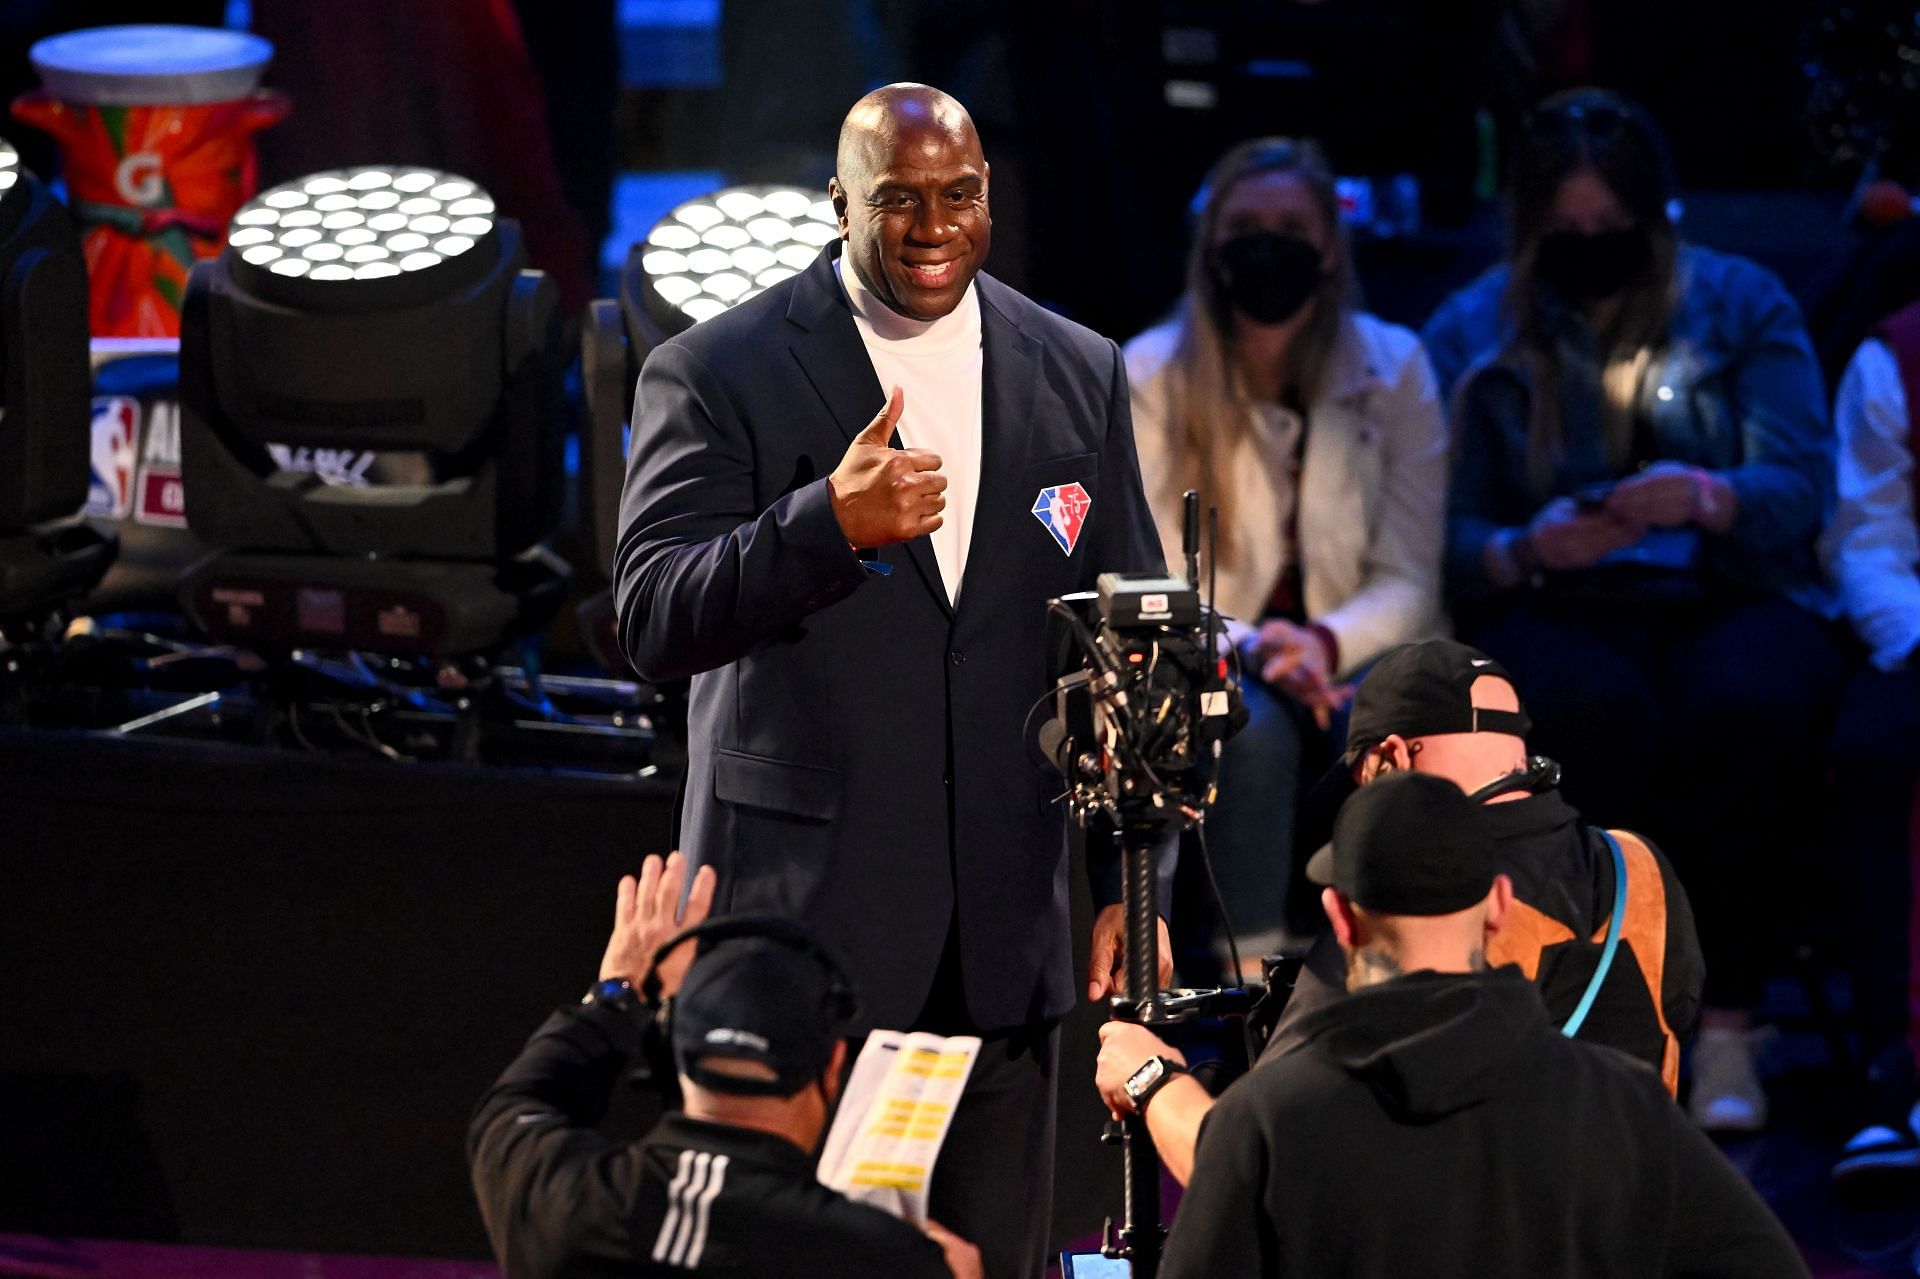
x=1646, y=928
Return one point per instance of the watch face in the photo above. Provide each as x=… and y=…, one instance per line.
x=616, y=991
x=1145, y=1077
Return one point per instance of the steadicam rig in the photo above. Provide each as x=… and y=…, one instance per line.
x=1144, y=701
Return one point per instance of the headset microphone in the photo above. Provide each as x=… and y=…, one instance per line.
x=1540, y=774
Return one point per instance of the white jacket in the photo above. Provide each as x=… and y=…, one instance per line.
x=1372, y=491
x=1871, y=545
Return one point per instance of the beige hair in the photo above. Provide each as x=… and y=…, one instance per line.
x=1208, y=403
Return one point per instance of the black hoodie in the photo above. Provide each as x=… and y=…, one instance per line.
x=1437, y=1125
x=1562, y=875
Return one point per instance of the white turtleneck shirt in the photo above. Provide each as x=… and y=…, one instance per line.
x=937, y=364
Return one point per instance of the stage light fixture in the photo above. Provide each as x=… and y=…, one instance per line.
x=47, y=554
x=705, y=255
x=719, y=250
x=383, y=309
x=359, y=225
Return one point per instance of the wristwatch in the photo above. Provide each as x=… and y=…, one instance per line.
x=613, y=992
x=1152, y=1076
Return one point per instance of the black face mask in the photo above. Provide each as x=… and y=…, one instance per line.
x=1265, y=275
x=1586, y=268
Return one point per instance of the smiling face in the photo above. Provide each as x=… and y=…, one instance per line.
x=912, y=198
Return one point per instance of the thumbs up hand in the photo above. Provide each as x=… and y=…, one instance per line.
x=881, y=494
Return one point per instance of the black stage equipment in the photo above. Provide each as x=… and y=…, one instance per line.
x=47, y=554
x=1140, y=727
x=384, y=314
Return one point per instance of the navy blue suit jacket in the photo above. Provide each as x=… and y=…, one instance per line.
x=859, y=750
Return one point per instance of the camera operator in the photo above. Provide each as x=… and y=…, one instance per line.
x=726, y=1186
x=1441, y=708
x=1434, y=1121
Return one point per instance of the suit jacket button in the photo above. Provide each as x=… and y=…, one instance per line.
x=957, y=657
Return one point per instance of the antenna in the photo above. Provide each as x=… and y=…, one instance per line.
x=1190, y=537
x=1213, y=563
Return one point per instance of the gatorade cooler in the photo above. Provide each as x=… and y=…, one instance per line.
x=156, y=125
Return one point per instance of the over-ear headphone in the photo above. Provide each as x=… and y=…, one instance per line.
x=659, y=1071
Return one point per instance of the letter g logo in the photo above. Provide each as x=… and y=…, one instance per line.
x=138, y=179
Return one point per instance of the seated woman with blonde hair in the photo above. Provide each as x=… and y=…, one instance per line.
x=1315, y=429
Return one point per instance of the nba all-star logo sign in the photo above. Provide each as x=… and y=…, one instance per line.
x=1063, y=510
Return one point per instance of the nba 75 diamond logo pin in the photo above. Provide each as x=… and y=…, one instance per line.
x=1063, y=509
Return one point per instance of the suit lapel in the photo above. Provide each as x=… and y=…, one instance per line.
x=835, y=361
x=1010, y=372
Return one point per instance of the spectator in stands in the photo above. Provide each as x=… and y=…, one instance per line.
x=1643, y=461
x=1873, y=550
x=1434, y=1122
x=1315, y=430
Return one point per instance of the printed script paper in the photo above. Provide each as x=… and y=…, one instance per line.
x=893, y=1118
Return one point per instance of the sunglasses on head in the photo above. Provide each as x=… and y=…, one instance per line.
x=1595, y=119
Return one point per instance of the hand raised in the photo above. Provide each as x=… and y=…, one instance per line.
x=647, y=911
x=881, y=494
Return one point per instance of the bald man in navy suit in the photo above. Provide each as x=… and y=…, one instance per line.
x=859, y=597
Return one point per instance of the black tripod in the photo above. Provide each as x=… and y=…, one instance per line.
x=1142, y=1236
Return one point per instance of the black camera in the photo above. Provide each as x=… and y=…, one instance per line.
x=1143, y=702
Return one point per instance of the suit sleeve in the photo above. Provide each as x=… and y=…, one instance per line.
x=1721, y=1227
x=538, y=1165
x=701, y=573
x=1125, y=540
x=1223, y=1226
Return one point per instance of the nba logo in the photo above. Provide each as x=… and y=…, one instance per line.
x=116, y=425
x=1062, y=510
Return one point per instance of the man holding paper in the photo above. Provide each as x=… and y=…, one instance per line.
x=848, y=500
x=726, y=1186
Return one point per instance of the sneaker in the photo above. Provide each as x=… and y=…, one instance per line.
x=1879, y=1150
x=1727, y=1096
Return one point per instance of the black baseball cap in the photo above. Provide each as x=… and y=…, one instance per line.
x=1409, y=844
x=1415, y=690
x=1422, y=689
x=756, y=999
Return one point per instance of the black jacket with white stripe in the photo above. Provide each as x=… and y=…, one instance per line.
x=561, y=1198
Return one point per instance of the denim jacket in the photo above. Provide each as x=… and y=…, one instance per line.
x=1736, y=390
